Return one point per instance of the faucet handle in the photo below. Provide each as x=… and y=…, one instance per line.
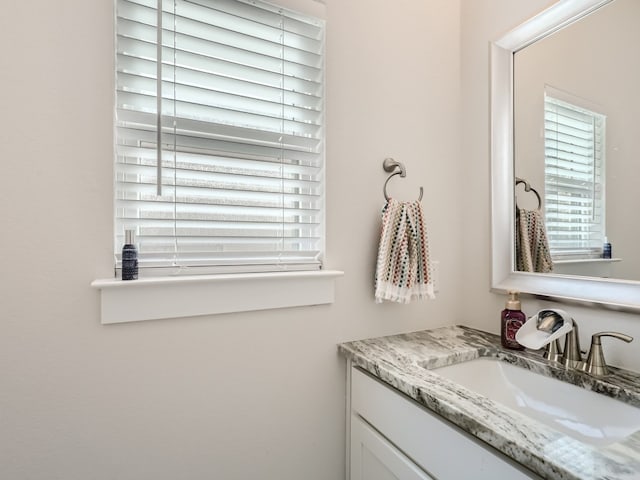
x=571, y=354
x=595, y=364
x=553, y=351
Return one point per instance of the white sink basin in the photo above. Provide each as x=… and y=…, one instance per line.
x=582, y=414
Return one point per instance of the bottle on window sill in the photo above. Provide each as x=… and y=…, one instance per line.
x=129, y=257
x=606, y=249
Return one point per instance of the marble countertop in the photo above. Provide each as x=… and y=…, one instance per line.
x=403, y=362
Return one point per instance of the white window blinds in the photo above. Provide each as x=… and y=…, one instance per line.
x=242, y=171
x=574, y=179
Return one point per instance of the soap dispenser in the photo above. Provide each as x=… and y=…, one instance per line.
x=511, y=319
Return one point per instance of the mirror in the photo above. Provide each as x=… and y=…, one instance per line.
x=575, y=102
x=524, y=143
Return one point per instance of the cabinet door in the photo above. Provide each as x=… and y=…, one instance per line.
x=432, y=443
x=374, y=458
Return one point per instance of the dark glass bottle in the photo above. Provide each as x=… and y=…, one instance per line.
x=606, y=249
x=129, y=257
x=511, y=319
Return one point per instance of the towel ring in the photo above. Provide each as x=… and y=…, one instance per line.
x=390, y=165
x=529, y=188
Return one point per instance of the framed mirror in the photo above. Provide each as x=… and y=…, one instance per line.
x=519, y=93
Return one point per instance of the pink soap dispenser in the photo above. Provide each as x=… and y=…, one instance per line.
x=511, y=319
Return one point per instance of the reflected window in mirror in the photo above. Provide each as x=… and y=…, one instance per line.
x=574, y=198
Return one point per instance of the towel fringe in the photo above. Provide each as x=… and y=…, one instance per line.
x=394, y=293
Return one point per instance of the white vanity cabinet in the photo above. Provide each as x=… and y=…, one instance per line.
x=374, y=458
x=391, y=437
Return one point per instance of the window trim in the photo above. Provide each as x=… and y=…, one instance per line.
x=195, y=295
x=181, y=293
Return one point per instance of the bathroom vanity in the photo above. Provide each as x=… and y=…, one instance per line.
x=409, y=417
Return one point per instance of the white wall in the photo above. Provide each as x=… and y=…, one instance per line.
x=482, y=22
x=258, y=395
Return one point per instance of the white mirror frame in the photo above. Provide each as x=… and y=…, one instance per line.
x=617, y=294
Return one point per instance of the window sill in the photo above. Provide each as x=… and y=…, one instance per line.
x=587, y=260
x=175, y=297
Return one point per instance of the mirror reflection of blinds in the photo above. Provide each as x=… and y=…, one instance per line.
x=574, y=179
x=242, y=135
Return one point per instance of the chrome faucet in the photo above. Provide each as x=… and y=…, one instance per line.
x=554, y=323
x=595, y=364
x=571, y=356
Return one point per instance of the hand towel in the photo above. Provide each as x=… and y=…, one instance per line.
x=532, y=247
x=403, y=271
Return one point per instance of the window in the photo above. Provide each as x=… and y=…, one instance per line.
x=241, y=136
x=574, y=179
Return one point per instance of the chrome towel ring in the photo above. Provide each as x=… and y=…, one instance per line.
x=529, y=188
x=390, y=165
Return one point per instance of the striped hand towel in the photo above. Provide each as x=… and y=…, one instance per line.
x=403, y=270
